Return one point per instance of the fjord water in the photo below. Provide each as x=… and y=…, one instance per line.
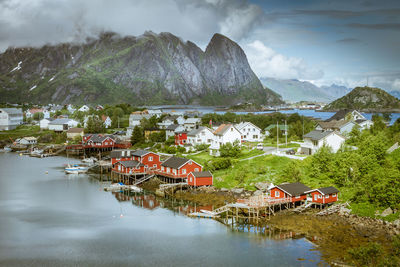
x=55, y=219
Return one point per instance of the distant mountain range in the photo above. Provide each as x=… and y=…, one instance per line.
x=145, y=70
x=367, y=99
x=295, y=90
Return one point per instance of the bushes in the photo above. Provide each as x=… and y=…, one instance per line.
x=218, y=164
x=201, y=147
x=230, y=150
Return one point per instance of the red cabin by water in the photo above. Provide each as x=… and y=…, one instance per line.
x=177, y=169
x=324, y=195
x=200, y=178
x=294, y=191
x=149, y=160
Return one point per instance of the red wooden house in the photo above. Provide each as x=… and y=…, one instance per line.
x=86, y=137
x=100, y=141
x=324, y=195
x=180, y=138
x=200, y=178
x=294, y=192
x=149, y=159
x=177, y=169
x=128, y=167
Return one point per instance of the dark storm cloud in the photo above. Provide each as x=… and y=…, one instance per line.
x=47, y=21
x=382, y=26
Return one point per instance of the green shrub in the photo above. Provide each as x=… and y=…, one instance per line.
x=368, y=255
x=219, y=164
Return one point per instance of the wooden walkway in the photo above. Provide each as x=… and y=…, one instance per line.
x=254, y=207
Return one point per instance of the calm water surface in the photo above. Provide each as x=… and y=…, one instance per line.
x=55, y=219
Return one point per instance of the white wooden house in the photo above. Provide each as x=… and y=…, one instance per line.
x=84, y=108
x=226, y=133
x=106, y=121
x=200, y=135
x=10, y=118
x=44, y=123
x=59, y=125
x=249, y=132
x=316, y=139
x=191, y=123
x=172, y=130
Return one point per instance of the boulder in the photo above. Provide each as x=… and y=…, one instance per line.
x=263, y=186
x=237, y=190
x=258, y=193
x=224, y=190
x=387, y=212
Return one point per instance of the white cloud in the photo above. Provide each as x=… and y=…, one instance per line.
x=266, y=62
x=38, y=22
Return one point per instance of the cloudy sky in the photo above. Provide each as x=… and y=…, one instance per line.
x=339, y=41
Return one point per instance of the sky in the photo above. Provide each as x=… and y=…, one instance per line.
x=346, y=42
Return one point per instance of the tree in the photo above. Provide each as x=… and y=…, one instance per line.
x=94, y=125
x=230, y=150
x=137, y=135
x=38, y=116
x=292, y=172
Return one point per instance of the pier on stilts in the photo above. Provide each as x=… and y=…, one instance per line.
x=253, y=208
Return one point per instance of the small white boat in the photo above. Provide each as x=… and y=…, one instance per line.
x=75, y=169
x=90, y=160
x=135, y=189
x=5, y=149
x=114, y=187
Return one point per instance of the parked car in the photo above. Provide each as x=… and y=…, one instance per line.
x=260, y=146
x=291, y=152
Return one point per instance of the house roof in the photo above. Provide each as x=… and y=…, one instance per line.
x=60, y=121
x=334, y=124
x=140, y=153
x=12, y=110
x=317, y=134
x=98, y=138
x=130, y=163
x=35, y=110
x=360, y=121
x=171, y=117
x=75, y=130
x=174, y=162
x=192, y=120
x=49, y=119
x=325, y=190
x=139, y=117
x=243, y=124
x=118, y=153
x=294, y=189
x=222, y=129
x=202, y=174
x=194, y=132
x=172, y=127
x=340, y=115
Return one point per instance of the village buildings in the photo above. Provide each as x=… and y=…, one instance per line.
x=249, y=132
x=44, y=123
x=177, y=169
x=226, y=133
x=316, y=139
x=10, y=118
x=200, y=135
x=59, y=125
x=294, y=192
x=75, y=132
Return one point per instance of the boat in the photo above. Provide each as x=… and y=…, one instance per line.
x=75, y=169
x=135, y=189
x=90, y=160
x=5, y=149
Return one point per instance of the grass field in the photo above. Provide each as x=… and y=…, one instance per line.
x=22, y=131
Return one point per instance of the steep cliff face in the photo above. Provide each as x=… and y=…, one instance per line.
x=149, y=69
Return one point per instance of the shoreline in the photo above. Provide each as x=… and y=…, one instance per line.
x=333, y=234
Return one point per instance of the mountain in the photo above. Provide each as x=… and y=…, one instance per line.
x=294, y=90
x=395, y=94
x=366, y=99
x=148, y=69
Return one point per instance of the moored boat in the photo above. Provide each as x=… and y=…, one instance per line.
x=75, y=169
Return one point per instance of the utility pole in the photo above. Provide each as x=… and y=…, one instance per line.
x=118, y=122
x=277, y=136
x=286, y=133
x=303, y=129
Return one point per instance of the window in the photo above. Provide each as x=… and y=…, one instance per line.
x=231, y=129
x=154, y=165
x=333, y=195
x=277, y=194
x=319, y=196
x=168, y=169
x=196, y=169
x=255, y=136
x=150, y=158
x=119, y=167
x=190, y=162
x=190, y=179
x=183, y=171
x=174, y=171
x=327, y=196
x=315, y=143
x=162, y=168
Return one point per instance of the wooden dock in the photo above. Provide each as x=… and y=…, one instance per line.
x=252, y=208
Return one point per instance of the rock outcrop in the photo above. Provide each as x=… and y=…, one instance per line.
x=148, y=69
